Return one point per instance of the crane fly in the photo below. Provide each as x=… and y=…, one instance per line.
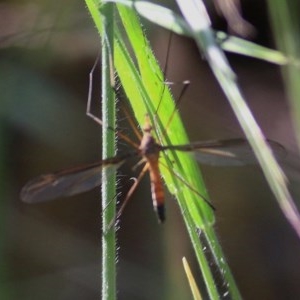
x=83, y=178
x=86, y=177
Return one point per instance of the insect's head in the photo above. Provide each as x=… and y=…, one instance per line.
x=147, y=125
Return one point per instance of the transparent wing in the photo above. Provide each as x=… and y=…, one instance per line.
x=68, y=182
x=233, y=152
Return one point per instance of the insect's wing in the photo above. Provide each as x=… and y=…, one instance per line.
x=233, y=152
x=68, y=182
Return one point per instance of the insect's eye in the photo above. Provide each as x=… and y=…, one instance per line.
x=147, y=128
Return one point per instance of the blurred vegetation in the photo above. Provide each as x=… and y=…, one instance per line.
x=52, y=250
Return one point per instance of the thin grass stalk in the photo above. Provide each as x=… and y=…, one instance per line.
x=285, y=16
x=108, y=150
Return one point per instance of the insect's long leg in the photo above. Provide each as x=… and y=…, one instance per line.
x=161, y=136
x=188, y=185
x=89, y=101
x=131, y=123
x=98, y=120
x=129, y=194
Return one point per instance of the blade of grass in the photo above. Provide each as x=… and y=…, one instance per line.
x=240, y=46
x=151, y=83
x=204, y=36
x=105, y=22
x=285, y=16
x=108, y=150
x=191, y=280
x=181, y=200
x=150, y=103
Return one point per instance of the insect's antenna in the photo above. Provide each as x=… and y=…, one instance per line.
x=180, y=97
x=129, y=195
x=186, y=84
x=165, y=70
x=89, y=101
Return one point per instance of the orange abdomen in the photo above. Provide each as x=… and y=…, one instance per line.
x=157, y=190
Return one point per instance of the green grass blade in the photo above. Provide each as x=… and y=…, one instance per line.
x=144, y=92
x=105, y=21
x=285, y=16
x=204, y=36
x=141, y=102
x=189, y=202
x=108, y=150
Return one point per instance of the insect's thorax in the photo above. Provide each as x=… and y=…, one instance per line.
x=149, y=147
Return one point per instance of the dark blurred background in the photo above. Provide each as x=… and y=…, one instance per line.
x=53, y=250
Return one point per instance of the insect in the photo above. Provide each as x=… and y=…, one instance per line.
x=83, y=178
